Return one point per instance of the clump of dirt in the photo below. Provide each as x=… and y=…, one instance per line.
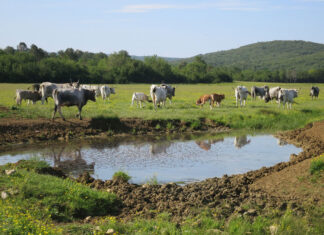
x=267, y=187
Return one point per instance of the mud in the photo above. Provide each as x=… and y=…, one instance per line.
x=228, y=194
x=15, y=131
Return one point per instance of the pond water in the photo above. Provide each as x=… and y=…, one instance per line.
x=162, y=159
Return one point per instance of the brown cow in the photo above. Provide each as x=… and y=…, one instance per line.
x=203, y=99
x=217, y=98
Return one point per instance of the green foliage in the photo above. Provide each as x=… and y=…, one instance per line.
x=152, y=180
x=317, y=165
x=120, y=175
x=61, y=199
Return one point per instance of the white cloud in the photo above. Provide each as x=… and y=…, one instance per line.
x=222, y=5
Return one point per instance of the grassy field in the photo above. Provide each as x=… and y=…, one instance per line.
x=256, y=114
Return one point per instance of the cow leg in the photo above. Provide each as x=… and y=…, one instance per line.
x=55, y=109
x=79, y=114
x=43, y=99
x=60, y=112
x=140, y=104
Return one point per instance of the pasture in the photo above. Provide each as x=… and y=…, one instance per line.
x=255, y=115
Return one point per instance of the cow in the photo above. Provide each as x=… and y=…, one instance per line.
x=170, y=91
x=258, y=91
x=216, y=98
x=240, y=141
x=158, y=94
x=203, y=99
x=95, y=88
x=314, y=91
x=272, y=94
x=139, y=97
x=47, y=88
x=241, y=94
x=34, y=87
x=106, y=91
x=287, y=96
x=27, y=95
x=72, y=97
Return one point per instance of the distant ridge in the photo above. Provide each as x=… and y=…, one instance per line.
x=273, y=55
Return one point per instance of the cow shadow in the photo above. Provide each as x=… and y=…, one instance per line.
x=240, y=141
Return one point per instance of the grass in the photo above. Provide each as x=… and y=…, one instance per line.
x=256, y=115
x=317, y=165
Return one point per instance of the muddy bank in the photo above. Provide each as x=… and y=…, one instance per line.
x=14, y=131
x=226, y=194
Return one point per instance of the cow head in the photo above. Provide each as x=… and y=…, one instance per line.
x=267, y=97
x=112, y=90
x=90, y=95
x=198, y=102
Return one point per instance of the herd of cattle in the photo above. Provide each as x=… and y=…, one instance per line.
x=75, y=94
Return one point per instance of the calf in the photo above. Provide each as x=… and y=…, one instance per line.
x=27, y=95
x=241, y=94
x=139, y=97
x=203, y=99
x=287, y=96
x=106, y=91
x=259, y=91
x=72, y=97
x=95, y=88
x=314, y=91
x=217, y=98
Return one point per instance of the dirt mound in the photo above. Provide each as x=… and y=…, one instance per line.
x=267, y=187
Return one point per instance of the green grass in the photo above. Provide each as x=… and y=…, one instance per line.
x=256, y=115
x=317, y=165
x=120, y=175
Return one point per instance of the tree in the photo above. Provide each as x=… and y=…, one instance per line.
x=22, y=47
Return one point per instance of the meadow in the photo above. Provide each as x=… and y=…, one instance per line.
x=256, y=115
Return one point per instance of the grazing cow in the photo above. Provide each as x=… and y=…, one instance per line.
x=241, y=94
x=203, y=99
x=95, y=88
x=272, y=94
x=27, y=95
x=159, y=95
x=217, y=98
x=47, y=88
x=287, y=96
x=139, y=97
x=72, y=97
x=106, y=91
x=240, y=141
x=314, y=91
x=259, y=91
x=170, y=91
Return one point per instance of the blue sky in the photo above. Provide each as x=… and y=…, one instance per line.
x=178, y=28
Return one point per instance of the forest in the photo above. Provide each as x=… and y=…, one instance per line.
x=32, y=64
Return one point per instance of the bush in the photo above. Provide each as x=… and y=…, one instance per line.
x=120, y=175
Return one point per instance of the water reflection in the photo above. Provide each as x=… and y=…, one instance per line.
x=70, y=160
x=281, y=142
x=241, y=141
x=159, y=147
x=206, y=144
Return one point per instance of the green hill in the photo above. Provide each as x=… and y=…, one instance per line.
x=274, y=55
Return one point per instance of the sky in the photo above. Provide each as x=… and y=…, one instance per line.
x=178, y=28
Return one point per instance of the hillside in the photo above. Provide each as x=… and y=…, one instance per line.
x=274, y=55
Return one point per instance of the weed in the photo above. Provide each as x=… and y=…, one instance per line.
x=317, y=165
x=152, y=180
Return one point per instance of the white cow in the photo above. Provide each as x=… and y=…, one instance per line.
x=287, y=96
x=241, y=93
x=158, y=94
x=272, y=94
x=72, y=97
x=139, y=97
x=95, y=88
x=106, y=91
x=47, y=88
x=170, y=91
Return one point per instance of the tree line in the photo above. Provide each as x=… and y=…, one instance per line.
x=33, y=65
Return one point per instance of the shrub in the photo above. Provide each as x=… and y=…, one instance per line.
x=120, y=175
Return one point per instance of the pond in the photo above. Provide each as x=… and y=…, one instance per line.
x=163, y=159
